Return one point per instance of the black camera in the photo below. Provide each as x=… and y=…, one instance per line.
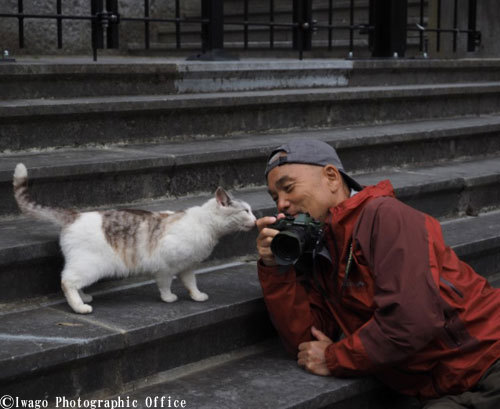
x=298, y=236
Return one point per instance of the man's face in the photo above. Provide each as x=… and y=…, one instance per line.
x=298, y=188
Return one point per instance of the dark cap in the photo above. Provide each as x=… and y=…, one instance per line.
x=309, y=152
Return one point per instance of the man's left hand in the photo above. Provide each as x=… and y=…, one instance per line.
x=312, y=354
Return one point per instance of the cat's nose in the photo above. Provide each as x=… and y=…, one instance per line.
x=252, y=224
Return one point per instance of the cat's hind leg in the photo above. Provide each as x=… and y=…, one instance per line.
x=74, y=299
x=189, y=280
x=164, y=282
x=71, y=284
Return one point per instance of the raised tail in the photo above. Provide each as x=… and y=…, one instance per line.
x=57, y=216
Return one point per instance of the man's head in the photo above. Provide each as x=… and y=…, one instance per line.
x=307, y=176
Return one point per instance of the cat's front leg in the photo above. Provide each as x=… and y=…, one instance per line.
x=189, y=280
x=164, y=282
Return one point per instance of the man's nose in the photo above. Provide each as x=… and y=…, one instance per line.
x=283, y=205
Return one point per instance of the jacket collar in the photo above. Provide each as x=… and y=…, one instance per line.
x=356, y=202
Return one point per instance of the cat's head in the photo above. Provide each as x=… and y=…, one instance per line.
x=234, y=214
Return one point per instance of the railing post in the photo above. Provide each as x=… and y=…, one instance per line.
x=104, y=19
x=20, y=10
x=96, y=7
x=302, y=32
x=212, y=32
x=112, y=34
x=389, y=21
x=474, y=37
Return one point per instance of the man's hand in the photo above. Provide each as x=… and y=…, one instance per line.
x=311, y=355
x=265, y=238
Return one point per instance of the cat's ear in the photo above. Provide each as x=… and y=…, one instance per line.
x=222, y=197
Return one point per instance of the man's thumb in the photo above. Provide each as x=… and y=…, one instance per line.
x=319, y=335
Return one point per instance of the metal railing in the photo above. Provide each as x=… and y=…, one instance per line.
x=386, y=26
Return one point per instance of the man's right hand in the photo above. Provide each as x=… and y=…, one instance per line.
x=265, y=238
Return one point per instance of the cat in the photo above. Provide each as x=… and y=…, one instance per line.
x=121, y=243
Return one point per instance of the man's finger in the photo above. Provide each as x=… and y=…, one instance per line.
x=269, y=233
x=265, y=221
x=320, y=336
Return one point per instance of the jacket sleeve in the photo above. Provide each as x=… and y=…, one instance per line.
x=393, y=240
x=293, y=308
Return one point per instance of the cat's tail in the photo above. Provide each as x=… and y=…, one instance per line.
x=57, y=216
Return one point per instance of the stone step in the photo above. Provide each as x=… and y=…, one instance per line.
x=422, y=71
x=53, y=77
x=40, y=123
x=30, y=260
x=133, y=339
x=126, y=174
x=131, y=335
x=78, y=77
x=267, y=379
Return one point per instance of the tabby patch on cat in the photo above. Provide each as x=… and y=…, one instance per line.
x=122, y=243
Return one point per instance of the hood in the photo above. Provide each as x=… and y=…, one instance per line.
x=356, y=203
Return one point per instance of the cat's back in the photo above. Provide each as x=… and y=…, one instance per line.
x=85, y=230
x=131, y=228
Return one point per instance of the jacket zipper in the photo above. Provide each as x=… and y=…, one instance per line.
x=452, y=286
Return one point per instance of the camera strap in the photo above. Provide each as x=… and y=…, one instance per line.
x=322, y=290
x=347, y=270
x=320, y=249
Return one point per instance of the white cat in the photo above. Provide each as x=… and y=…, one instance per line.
x=120, y=243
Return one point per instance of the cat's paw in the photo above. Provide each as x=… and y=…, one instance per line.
x=199, y=296
x=83, y=309
x=169, y=297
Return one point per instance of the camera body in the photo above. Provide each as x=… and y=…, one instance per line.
x=298, y=236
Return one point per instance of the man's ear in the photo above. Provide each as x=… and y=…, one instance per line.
x=334, y=177
x=332, y=172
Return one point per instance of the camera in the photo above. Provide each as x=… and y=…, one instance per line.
x=298, y=236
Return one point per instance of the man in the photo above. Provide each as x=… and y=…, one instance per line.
x=409, y=311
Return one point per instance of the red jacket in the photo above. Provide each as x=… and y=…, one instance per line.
x=411, y=312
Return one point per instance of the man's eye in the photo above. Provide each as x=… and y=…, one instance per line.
x=288, y=188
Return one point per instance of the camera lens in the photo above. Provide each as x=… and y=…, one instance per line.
x=287, y=246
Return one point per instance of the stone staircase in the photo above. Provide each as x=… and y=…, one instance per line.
x=163, y=134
